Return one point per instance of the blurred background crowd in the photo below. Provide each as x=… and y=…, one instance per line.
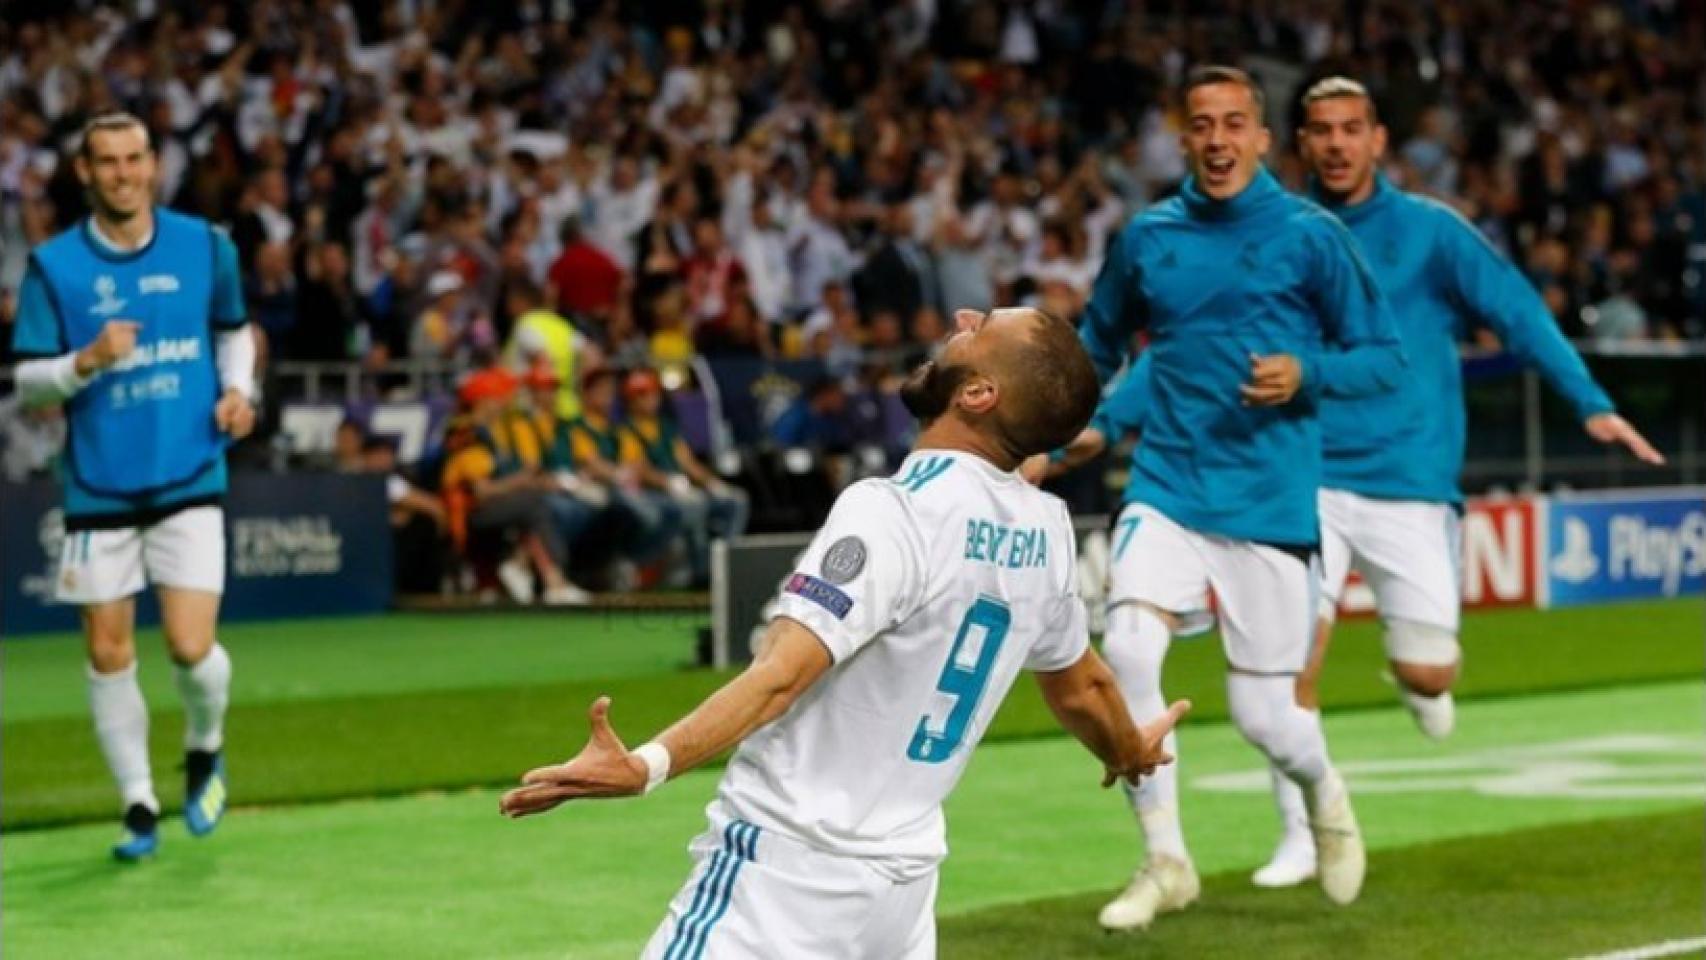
x=578, y=207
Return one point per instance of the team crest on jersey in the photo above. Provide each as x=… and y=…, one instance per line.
x=825, y=595
x=106, y=288
x=844, y=560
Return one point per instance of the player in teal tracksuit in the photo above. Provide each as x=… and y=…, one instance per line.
x=134, y=321
x=1258, y=308
x=1389, y=498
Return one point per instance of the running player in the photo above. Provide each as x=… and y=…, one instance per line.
x=1389, y=498
x=1257, y=306
x=899, y=634
x=134, y=319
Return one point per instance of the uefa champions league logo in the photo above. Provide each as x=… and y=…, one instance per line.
x=106, y=289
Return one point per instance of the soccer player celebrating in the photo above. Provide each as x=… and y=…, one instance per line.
x=899, y=633
x=1389, y=497
x=134, y=321
x=1257, y=308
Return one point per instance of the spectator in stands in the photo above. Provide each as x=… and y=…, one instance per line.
x=265, y=215
x=594, y=441
x=619, y=206
x=349, y=446
x=740, y=333
x=713, y=274
x=818, y=250
x=445, y=325
x=670, y=344
x=328, y=312
x=271, y=293
x=816, y=420
x=490, y=491
x=899, y=276
x=418, y=521
x=584, y=281
x=661, y=249
x=30, y=438
x=543, y=337
x=665, y=464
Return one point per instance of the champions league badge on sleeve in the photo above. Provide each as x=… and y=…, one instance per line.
x=825, y=595
x=844, y=560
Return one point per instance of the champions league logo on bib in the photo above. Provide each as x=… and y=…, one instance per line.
x=106, y=288
x=844, y=560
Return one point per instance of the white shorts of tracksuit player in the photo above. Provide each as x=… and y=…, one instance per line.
x=1265, y=596
x=755, y=894
x=1407, y=551
x=184, y=550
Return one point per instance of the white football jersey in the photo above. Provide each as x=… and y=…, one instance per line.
x=931, y=589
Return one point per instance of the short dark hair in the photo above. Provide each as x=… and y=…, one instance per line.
x=1209, y=74
x=1054, y=387
x=111, y=120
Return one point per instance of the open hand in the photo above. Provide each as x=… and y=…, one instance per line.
x=1611, y=428
x=1154, y=754
x=1273, y=380
x=603, y=768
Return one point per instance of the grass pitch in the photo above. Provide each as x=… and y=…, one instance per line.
x=1548, y=826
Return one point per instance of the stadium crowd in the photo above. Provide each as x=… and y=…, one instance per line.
x=563, y=197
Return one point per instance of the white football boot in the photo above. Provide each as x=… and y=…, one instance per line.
x=1340, y=858
x=1292, y=863
x=1165, y=884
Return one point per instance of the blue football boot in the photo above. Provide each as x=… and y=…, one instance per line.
x=204, y=791
x=141, y=835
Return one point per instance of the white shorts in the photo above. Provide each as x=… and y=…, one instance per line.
x=184, y=550
x=1265, y=596
x=754, y=894
x=1408, y=551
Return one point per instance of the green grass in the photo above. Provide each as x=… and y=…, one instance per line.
x=442, y=875
x=1544, y=893
x=460, y=701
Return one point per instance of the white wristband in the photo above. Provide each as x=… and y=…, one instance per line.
x=656, y=758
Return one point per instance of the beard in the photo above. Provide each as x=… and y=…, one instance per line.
x=929, y=389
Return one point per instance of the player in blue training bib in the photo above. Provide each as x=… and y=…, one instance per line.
x=133, y=320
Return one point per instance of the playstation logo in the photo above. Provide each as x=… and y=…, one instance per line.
x=1576, y=562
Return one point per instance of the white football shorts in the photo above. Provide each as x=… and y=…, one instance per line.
x=1409, y=552
x=184, y=550
x=756, y=895
x=1265, y=596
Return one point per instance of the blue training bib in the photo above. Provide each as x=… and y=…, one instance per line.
x=145, y=424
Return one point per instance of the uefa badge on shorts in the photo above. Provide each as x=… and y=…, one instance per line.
x=69, y=580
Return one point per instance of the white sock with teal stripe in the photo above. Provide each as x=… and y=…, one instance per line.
x=1135, y=645
x=121, y=726
x=205, y=689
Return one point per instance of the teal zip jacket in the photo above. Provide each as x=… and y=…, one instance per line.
x=1215, y=282
x=1441, y=277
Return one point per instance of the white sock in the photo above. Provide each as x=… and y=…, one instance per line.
x=1266, y=712
x=1293, y=812
x=121, y=726
x=205, y=689
x=1135, y=645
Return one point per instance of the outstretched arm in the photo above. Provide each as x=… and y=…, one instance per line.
x=1491, y=288
x=1086, y=701
x=792, y=659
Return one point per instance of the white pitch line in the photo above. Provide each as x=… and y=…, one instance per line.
x=1652, y=951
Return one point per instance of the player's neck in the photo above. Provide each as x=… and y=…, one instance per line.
x=124, y=235
x=947, y=433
